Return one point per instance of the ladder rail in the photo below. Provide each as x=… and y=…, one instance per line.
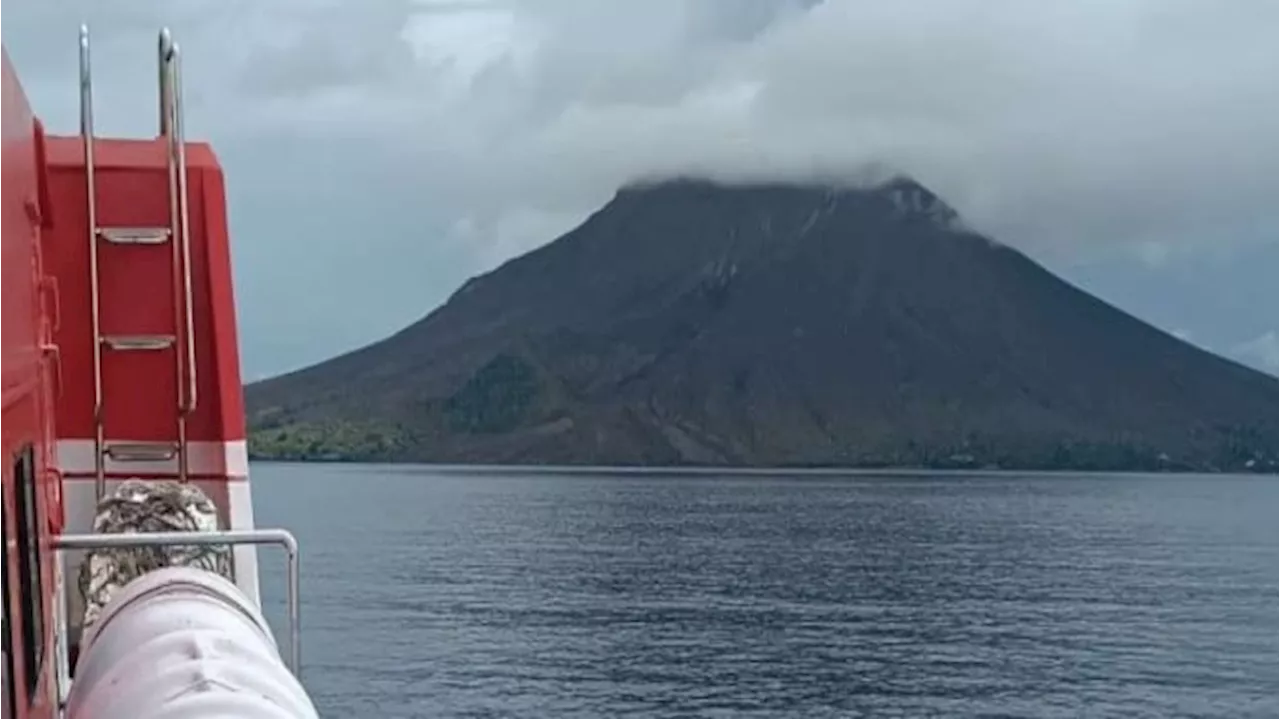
x=171, y=129
x=166, y=44
x=165, y=50
x=184, y=213
x=86, y=132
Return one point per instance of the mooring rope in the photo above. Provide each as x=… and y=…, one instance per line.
x=138, y=506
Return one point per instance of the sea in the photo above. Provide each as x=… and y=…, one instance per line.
x=471, y=592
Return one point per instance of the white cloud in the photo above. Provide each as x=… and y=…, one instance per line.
x=1073, y=129
x=1066, y=127
x=1262, y=352
x=513, y=233
x=467, y=39
x=1149, y=122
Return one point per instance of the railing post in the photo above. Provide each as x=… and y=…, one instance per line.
x=227, y=537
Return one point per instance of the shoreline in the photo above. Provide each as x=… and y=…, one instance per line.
x=766, y=471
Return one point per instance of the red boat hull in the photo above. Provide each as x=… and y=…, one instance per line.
x=28, y=364
x=110, y=344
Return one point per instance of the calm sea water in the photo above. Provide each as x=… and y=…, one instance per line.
x=430, y=592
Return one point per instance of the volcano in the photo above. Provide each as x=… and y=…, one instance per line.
x=692, y=322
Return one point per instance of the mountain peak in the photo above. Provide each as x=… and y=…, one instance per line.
x=695, y=320
x=911, y=197
x=705, y=183
x=900, y=195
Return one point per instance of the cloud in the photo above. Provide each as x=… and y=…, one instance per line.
x=1262, y=352
x=1076, y=130
x=1069, y=127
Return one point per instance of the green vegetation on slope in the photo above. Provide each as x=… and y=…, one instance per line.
x=329, y=440
x=497, y=398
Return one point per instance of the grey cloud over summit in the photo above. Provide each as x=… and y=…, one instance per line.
x=440, y=138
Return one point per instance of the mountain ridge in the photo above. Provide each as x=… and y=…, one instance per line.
x=690, y=321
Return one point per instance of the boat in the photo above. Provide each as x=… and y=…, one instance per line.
x=131, y=585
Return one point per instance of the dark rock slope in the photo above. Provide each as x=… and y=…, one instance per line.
x=689, y=322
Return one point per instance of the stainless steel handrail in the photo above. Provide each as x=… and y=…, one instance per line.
x=166, y=43
x=228, y=537
x=86, y=132
x=173, y=132
x=184, y=214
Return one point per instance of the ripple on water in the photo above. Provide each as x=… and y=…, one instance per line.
x=430, y=593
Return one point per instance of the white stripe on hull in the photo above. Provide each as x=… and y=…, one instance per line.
x=215, y=459
x=240, y=516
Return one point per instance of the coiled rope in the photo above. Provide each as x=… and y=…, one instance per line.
x=148, y=506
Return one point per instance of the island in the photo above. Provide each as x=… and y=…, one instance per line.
x=695, y=322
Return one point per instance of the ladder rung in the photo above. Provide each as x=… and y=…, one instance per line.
x=141, y=451
x=135, y=235
x=138, y=342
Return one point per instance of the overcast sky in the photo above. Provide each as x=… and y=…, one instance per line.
x=380, y=152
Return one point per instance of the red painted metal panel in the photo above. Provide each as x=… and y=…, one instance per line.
x=67, y=260
x=222, y=386
x=26, y=386
x=138, y=294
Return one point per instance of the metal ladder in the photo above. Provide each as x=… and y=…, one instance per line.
x=177, y=236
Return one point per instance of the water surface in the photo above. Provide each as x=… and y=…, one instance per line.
x=430, y=592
